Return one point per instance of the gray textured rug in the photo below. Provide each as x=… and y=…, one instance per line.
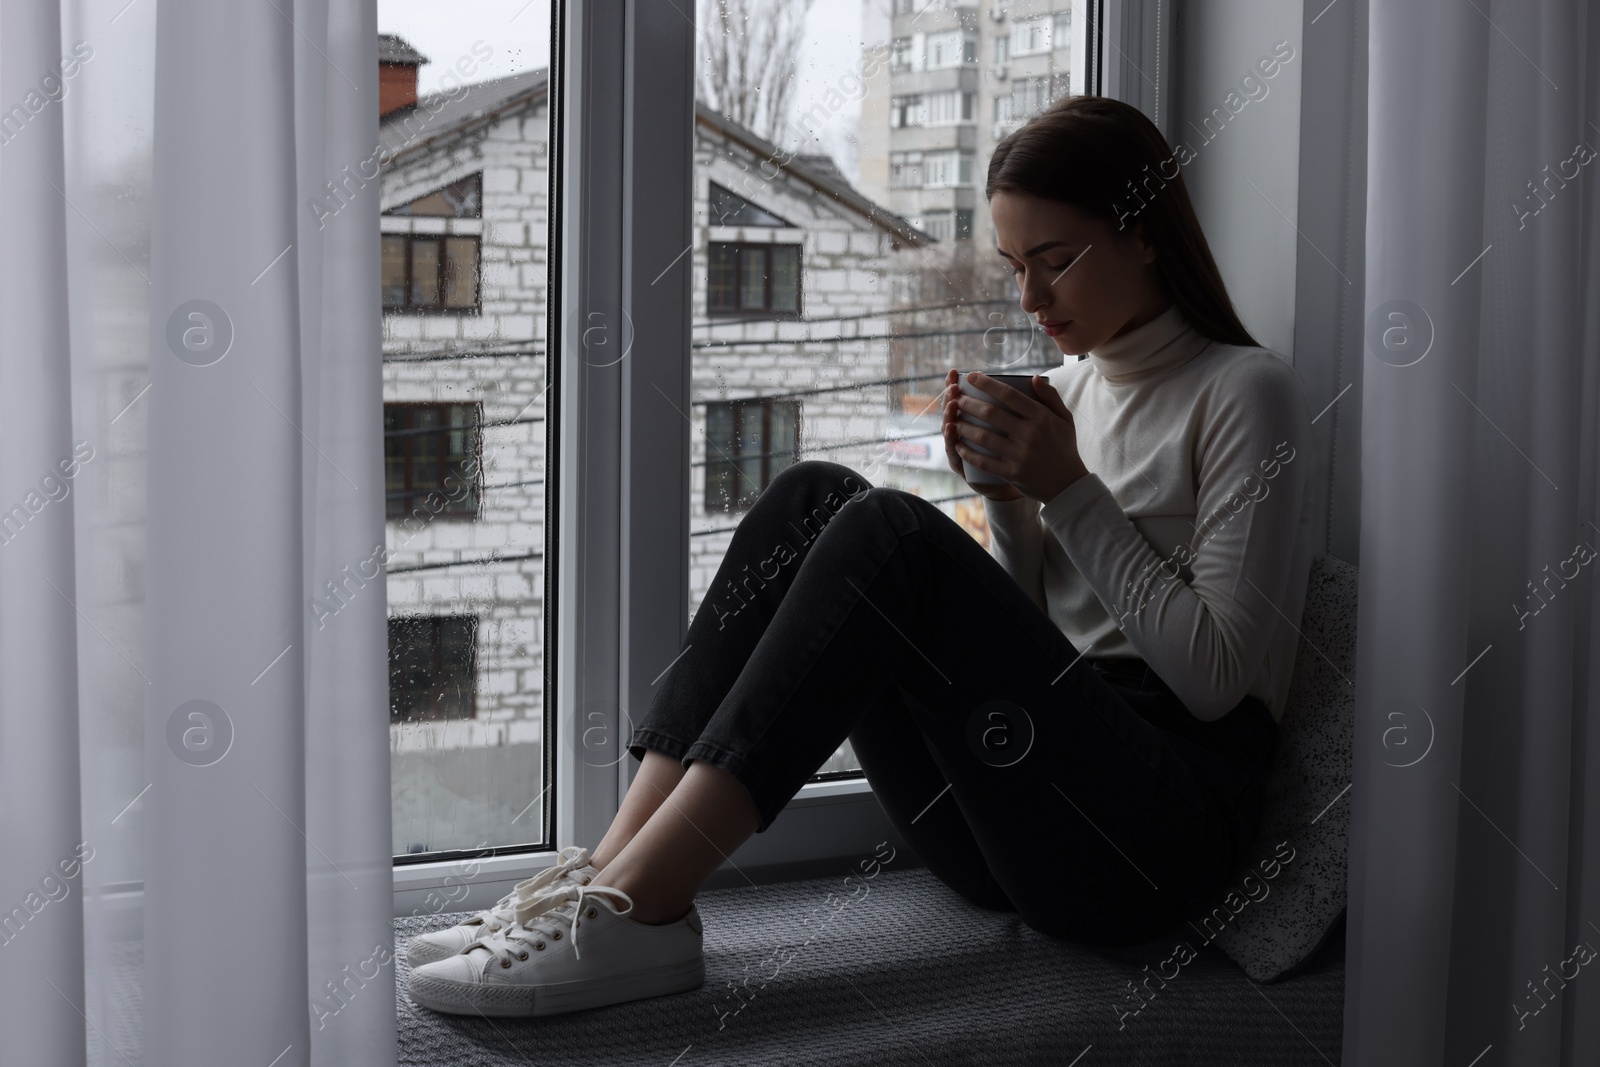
x=911, y=973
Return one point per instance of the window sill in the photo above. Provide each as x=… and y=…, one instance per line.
x=823, y=830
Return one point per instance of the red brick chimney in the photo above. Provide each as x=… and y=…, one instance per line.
x=397, y=73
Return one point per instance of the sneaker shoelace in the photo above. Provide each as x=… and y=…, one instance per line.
x=503, y=913
x=548, y=915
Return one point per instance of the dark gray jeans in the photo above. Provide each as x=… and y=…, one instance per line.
x=1078, y=791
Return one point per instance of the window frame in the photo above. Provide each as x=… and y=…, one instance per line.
x=475, y=428
x=739, y=406
x=621, y=205
x=765, y=312
x=410, y=239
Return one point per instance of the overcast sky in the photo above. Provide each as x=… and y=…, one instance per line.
x=519, y=33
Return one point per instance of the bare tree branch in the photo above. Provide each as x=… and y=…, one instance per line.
x=748, y=53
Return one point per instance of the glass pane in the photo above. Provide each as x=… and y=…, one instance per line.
x=461, y=272
x=785, y=278
x=424, y=272
x=753, y=284
x=750, y=444
x=887, y=311
x=464, y=392
x=721, y=282
x=721, y=475
x=394, y=271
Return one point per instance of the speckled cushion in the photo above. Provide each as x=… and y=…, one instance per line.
x=1290, y=893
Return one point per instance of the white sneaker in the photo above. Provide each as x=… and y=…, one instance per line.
x=573, y=867
x=536, y=965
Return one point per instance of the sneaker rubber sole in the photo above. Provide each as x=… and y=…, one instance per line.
x=557, y=998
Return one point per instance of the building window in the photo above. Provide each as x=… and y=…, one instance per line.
x=963, y=224
x=902, y=58
x=951, y=49
x=1030, y=36
x=431, y=454
x=1028, y=97
x=1001, y=51
x=908, y=111
x=1061, y=32
x=728, y=208
x=952, y=106
x=747, y=443
x=905, y=170
x=947, y=169
x=459, y=200
x=937, y=224
x=433, y=668
x=430, y=272
x=754, y=279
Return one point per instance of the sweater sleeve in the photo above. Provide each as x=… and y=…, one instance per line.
x=1017, y=538
x=1202, y=616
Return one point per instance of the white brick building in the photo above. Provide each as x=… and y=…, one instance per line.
x=790, y=267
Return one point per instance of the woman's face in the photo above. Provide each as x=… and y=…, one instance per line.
x=1076, y=270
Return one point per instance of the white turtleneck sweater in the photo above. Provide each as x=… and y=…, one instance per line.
x=1188, y=544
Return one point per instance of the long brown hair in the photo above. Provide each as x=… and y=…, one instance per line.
x=1108, y=160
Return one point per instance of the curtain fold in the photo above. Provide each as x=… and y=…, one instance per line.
x=1473, y=886
x=41, y=904
x=195, y=775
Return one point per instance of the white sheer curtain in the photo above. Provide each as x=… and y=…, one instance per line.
x=195, y=784
x=1475, y=858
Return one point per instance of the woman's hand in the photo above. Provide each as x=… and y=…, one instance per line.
x=1036, y=448
x=947, y=406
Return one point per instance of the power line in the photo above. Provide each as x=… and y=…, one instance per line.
x=860, y=337
x=465, y=563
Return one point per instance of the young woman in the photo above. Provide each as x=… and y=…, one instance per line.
x=1076, y=727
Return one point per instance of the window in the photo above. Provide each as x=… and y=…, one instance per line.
x=1002, y=108
x=748, y=442
x=432, y=667
x=430, y=272
x=1029, y=96
x=459, y=200
x=947, y=168
x=1030, y=36
x=952, y=106
x=902, y=58
x=905, y=170
x=728, y=208
x=431, y=451
x=938, y=225
x=1061, y=31
x=757, y=279
x=951, y=49
x=1001, y=51
x=963, y=224
x=908, y=111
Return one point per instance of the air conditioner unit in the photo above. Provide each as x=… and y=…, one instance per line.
x=1000, y=72
x=997, y=13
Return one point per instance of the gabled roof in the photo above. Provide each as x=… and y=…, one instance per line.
x=437, y=119
x=825, y=177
